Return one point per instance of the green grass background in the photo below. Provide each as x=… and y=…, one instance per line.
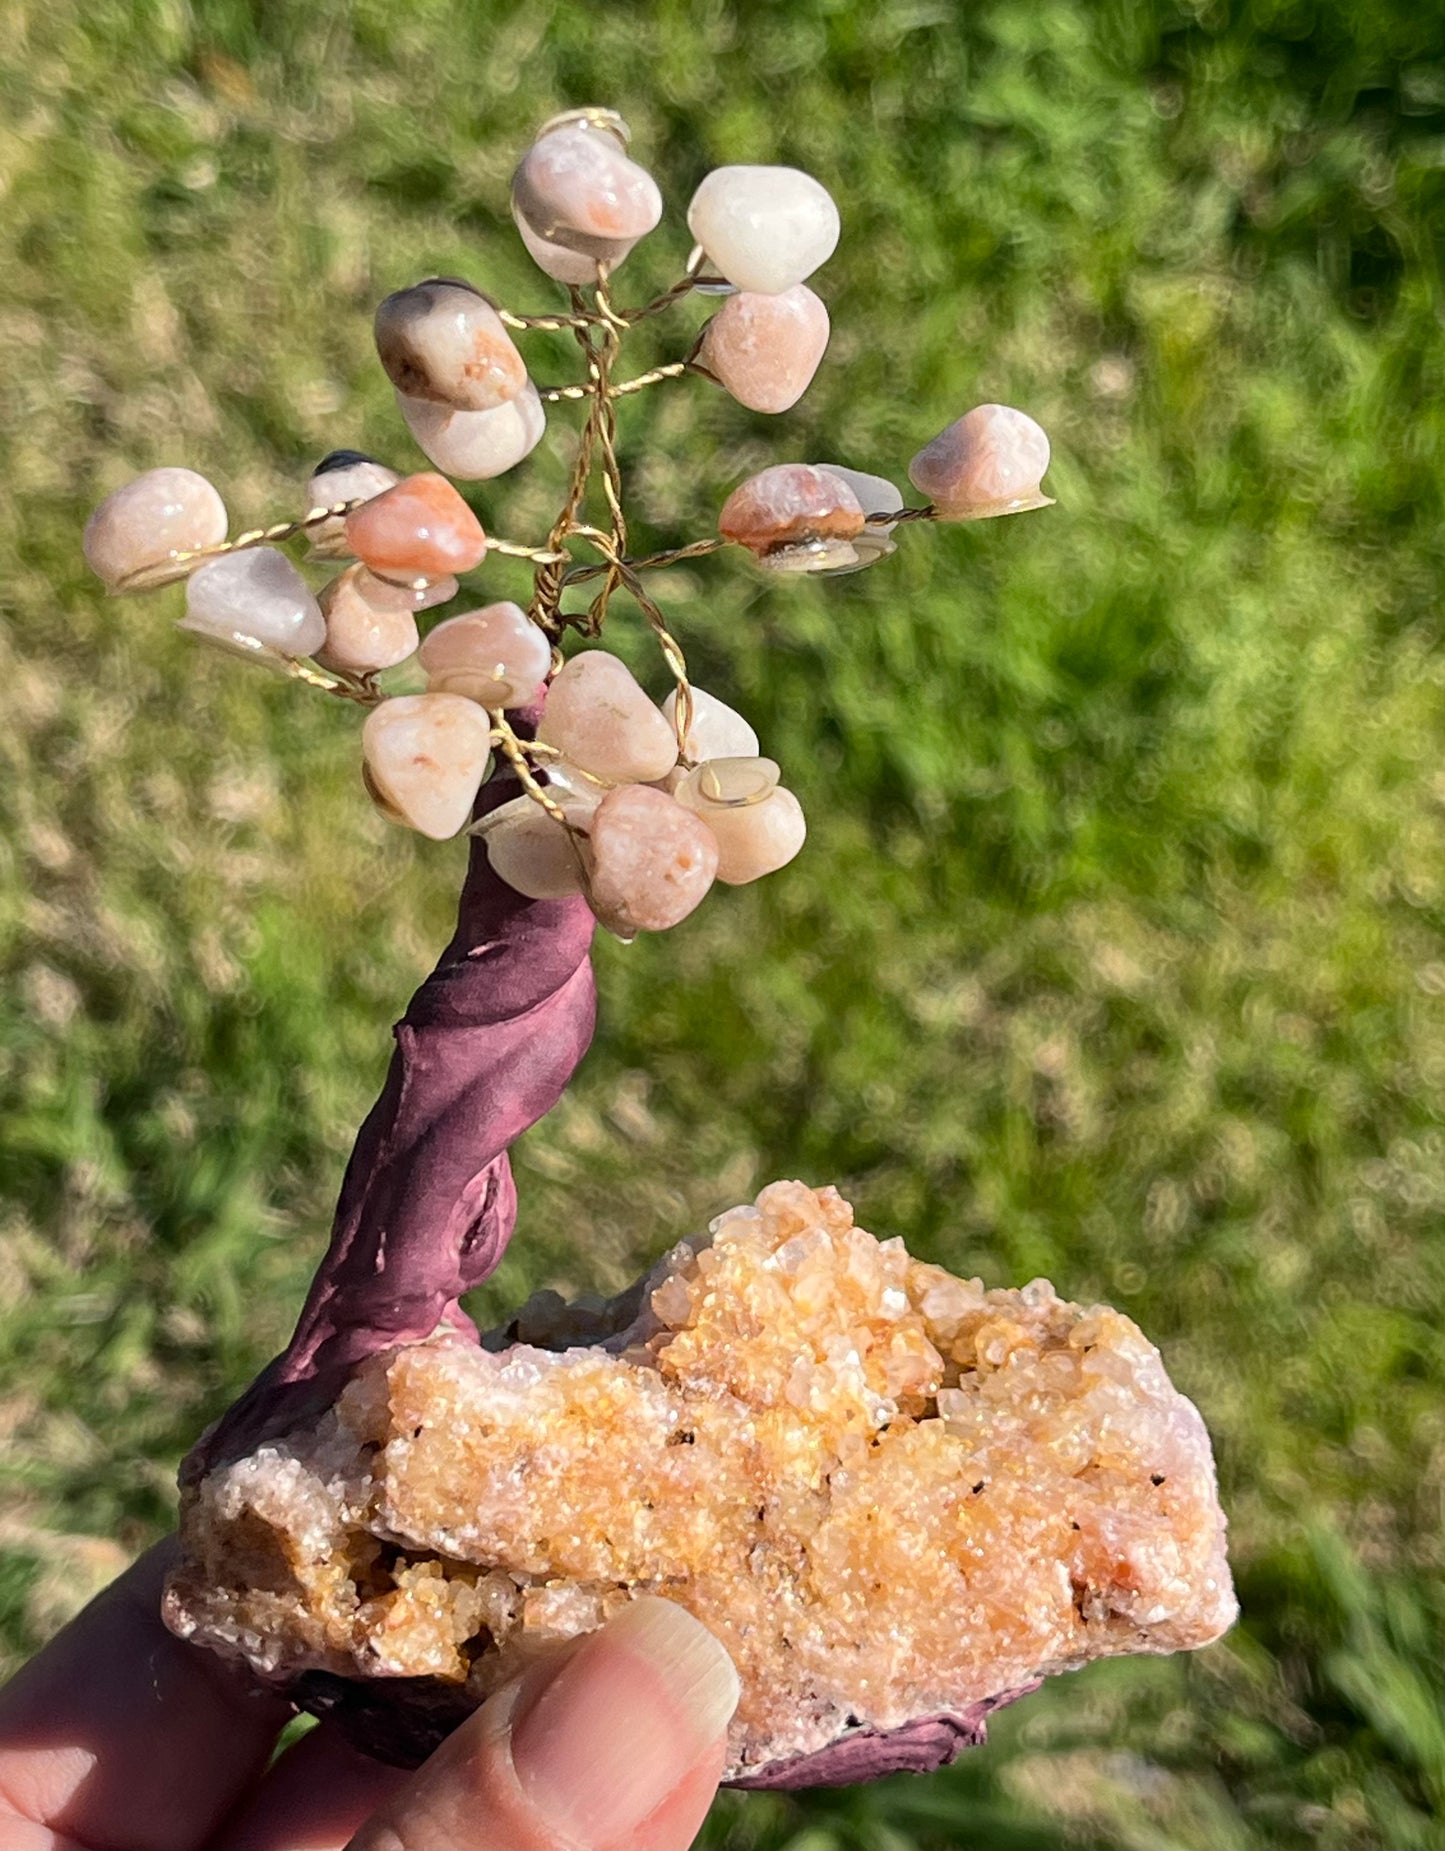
x=1115, y=953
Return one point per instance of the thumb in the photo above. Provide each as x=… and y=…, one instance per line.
x=618, y=1748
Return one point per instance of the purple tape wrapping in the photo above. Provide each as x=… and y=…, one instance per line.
x=427, y=1207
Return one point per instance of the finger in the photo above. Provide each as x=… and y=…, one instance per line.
x=313, y=1799
x=118, y=1734
x=620, y=1749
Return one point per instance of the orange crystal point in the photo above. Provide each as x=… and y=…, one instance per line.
x=420, y=529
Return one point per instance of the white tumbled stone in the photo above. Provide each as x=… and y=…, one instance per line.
x=160, y=514
x=254, y=599
x=424, y=757
x=717, y=730
x=764, y=228
x=495, y=656
x=345, y=475
x=475, y=445
x=601, y=719
x=758, y=825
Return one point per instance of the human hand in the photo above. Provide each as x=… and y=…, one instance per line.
x=119, y=1737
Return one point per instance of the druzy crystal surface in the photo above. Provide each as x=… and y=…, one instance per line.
x=896, y=1497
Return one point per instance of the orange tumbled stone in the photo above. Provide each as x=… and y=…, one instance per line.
x=420, y=529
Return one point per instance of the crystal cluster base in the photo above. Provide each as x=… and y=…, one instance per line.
x=896, y=1498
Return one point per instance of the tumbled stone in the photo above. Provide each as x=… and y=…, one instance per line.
x=345, y=475
x=876, y=495
x=160, y=514
x=794, y=517
x=425, y=756
x=766, y=349
x=371, y=621
x=421, y=528
x=443, y=342
x=764, y=228
x=254, y=600
x=990, y=461
x=532, y=852
x=496, y=656
x=758, y=825
x=476, y=445
x=652, y=861
x=891, y=1493
x=579, y=201
x=601, y=719
x=717, y=730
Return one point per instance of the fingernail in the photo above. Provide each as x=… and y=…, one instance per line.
x=623, y=1721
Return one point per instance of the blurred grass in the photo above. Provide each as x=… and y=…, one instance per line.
x=1116, y=950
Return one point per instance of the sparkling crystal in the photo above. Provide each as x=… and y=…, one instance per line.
x=425, y=756
x=496, y=656
x=794, y=517
x=598, y=717
x=475, y=445
x=532, y=852
x=371, y=622
x=421, y=528
x=443, y=342
x=759, y=826
x=764, y=228
x=884, y=1513
x=652, y=860
x=254, y=598
x=990, y=461
x=579, y=201
x=765, y=349
x=717, y=731
x=160, y=514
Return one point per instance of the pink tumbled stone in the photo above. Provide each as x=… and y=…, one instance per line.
x=424, y=756
x=532, y=852
x=755, y=834
x=150, y=520
x=443, y=342
x=371, y=622
x=794, y=516
x=598, y=717
x=495, y=656
x=579, y=201
x=652, y=861
x=990, y=461
x=476, y=445
x=766, y=349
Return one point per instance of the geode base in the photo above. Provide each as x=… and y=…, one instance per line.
x=899, y=1500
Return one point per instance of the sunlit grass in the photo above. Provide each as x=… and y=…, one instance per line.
x=1116, y=950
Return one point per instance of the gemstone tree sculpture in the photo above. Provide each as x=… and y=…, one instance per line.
x=587, y=802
